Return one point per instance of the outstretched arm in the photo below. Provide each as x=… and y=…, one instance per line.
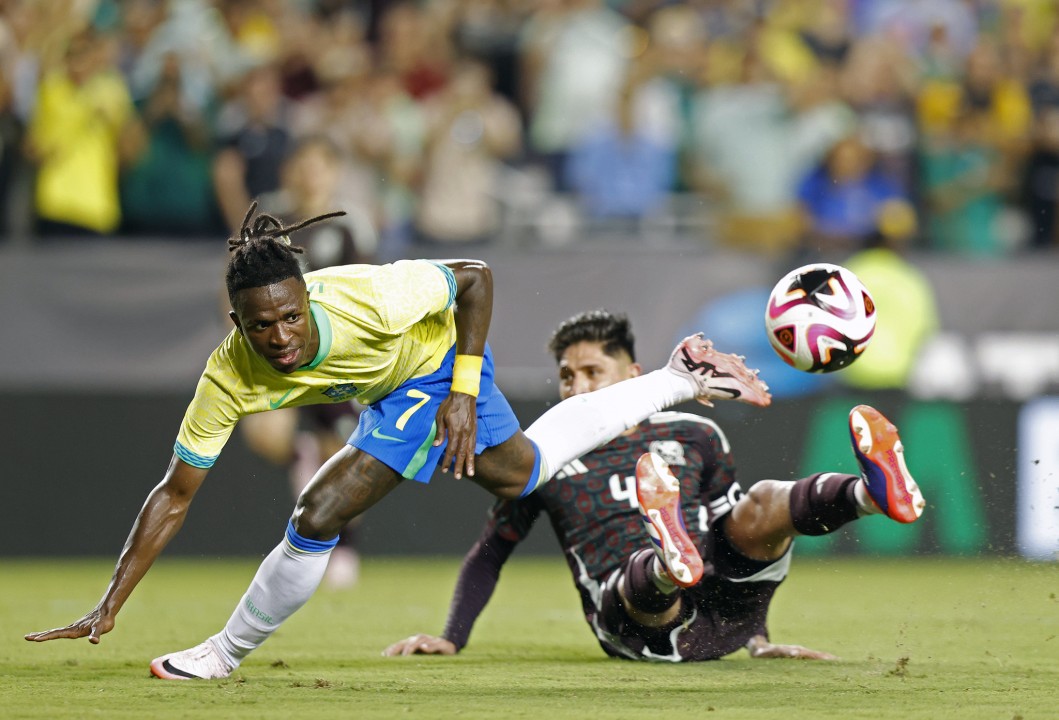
x=457, y=416
x=761, y=648
x=478, y=577
x=158, y=521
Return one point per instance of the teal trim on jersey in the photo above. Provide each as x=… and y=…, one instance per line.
x=450, y=278
x=323, y=326
x=193, y=458
x=420, y=458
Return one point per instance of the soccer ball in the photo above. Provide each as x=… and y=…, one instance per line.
x=820, y=318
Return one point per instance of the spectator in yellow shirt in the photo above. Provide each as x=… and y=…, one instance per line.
x=82, y=129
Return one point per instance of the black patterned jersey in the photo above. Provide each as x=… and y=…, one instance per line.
x=592, y=505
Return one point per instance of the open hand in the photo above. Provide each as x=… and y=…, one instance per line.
x=94, y=625
x=761, y=648
x=421, y=644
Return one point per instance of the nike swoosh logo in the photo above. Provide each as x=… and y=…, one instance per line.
x=276, y=403
x=381, y=436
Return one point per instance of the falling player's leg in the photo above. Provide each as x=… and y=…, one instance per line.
x=773, y=511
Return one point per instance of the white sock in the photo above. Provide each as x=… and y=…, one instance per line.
x=865, y=505
x=284, y=582
x=661, y=578
x=582, y=423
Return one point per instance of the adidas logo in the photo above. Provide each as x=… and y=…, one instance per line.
x=576, y=467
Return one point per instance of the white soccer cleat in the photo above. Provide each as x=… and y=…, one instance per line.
x=202, y=662
x=717, y=375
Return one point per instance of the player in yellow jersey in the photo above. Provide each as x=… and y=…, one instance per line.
x=409, y=341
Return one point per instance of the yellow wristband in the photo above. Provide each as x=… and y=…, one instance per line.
x=466, y=374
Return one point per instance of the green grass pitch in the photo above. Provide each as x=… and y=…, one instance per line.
x=926, y=638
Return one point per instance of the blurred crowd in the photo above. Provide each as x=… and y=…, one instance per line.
x=819, y=125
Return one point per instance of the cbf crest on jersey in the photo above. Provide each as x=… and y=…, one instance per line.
x=671, y=451
x=341, y=391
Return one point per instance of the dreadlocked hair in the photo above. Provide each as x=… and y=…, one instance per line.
x=600, y=326
x=262, y=253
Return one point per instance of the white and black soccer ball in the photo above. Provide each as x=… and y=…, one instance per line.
x=820, y=318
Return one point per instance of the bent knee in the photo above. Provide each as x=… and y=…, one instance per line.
x=760, y=524
x=766, y=494
x=316, y=516
x=312, y=524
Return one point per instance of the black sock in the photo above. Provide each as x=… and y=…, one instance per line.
x=639, y=587
x=824, y=502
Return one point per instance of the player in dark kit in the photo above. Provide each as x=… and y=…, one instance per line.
x=698, y=585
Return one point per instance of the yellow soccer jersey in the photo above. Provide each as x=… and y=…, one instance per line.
x=379, y=326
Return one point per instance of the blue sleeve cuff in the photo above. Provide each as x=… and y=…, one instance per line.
x=450, y=278
x=192, y=458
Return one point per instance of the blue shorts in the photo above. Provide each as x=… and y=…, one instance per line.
x=399, y=429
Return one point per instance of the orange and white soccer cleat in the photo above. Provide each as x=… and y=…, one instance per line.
x=882, y=462
x=658, y=493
